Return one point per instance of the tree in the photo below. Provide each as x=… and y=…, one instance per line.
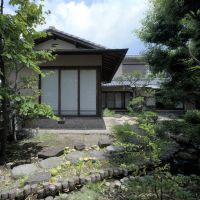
x=17, y=35
x=171, y=31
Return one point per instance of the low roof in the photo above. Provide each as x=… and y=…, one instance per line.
x=155, y=83
x=111, y=58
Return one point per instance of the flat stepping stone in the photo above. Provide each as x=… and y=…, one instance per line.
x=38, y=178
x=50, y=162
x=74, y=157
x=49, y=152
x=99, y=155
x=104, y=143
x=24, y=170
x=114, y=149
x=79, y=146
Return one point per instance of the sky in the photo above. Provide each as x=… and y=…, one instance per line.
x=111, y=23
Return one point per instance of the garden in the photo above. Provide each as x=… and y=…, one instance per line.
x=150, y=159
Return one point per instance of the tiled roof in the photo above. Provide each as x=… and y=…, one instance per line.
x=155, y=83
x=52, y=29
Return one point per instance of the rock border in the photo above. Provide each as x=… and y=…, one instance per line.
x=47, y=189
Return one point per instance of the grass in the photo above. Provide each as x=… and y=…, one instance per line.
x=108, y=113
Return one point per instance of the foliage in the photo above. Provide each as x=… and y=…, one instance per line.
x=143, y=140
x=161, y=185
x=22, y=181
x=148, y=117
x=191, y=132
x=79, y=167
x=172, y=35
x=17, y=42
x=123, y=132
x=108, y=113
x=27, y=108
x=192, y=117
x=136, y=105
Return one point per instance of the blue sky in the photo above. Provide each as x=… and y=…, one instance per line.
x=111, y=23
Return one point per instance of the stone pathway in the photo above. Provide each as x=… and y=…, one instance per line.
x=48, y=152
x=24, y=170
x=38, y=177
x=74, y=157
x=50, y=162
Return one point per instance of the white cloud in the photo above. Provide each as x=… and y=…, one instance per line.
x=107, y=22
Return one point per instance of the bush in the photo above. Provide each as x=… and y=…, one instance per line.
x=148, y=117
x=136, y=105
x=172, y=126
x=192, y=117
x=123, y=132
x=108, y=113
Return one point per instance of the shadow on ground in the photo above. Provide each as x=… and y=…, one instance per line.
x=21, y=153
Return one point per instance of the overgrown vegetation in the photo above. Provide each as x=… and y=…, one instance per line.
x=108, y=113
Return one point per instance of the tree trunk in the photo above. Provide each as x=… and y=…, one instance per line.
x=4, y=104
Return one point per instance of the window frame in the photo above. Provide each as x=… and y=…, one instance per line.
x=78, y=68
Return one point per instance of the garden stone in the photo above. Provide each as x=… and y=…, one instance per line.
x=114, y=149
x=65, y=186
x=27, y=190
x=110, y=171
x=51, y=152
x=2, y=178
x=58, y=186
x=20, y=193
x=117, y=184
x=99, y=155
x=38, y=177
x=49, y=198
x=12, y=194
x=4, y=195
x=74, y=157
x=104, y=143
x=50, y=162
x=125, y=172
x=88, y=179
x=52, y=189
x=79, y=146
x=24, y=170
x=34, y=188
x=98, y=177
x=124, y=180
x=72, y=184
x=40, y=193
x=107, y=184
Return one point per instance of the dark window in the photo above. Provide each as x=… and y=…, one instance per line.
x=115, y=100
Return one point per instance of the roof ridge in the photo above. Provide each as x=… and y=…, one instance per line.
x=51, y=28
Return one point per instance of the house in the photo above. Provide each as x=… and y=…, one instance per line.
x=74, y=87
x=80, y=82
x=116, y=94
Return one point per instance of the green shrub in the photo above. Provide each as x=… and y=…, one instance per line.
x=123, y=132
x=108, y=113
x=172, y=126
x=136, y=105
x=148, y=117
x=192, y=117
